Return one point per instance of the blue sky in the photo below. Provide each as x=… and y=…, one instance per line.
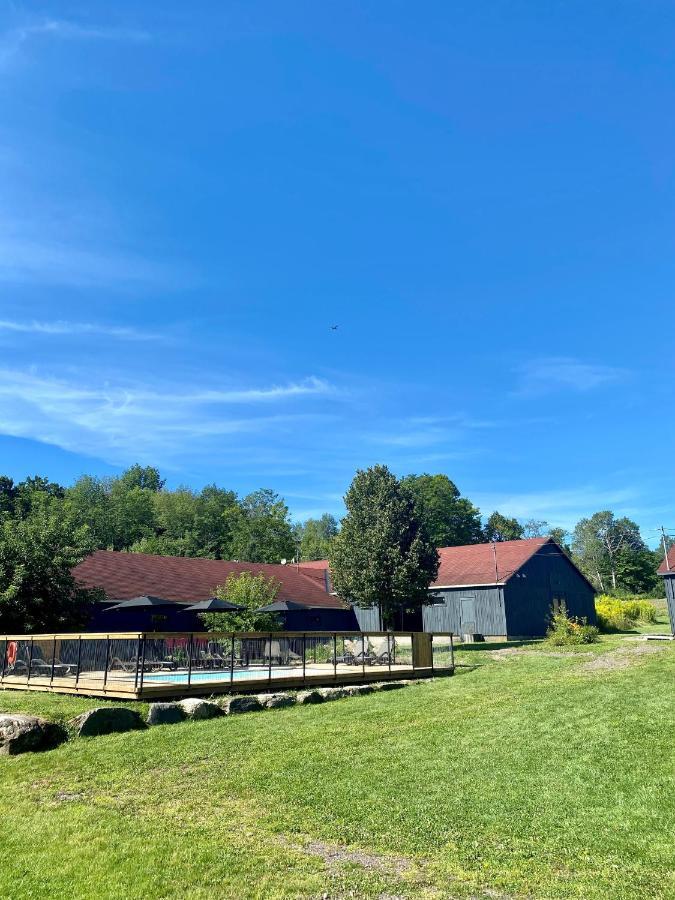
x=481, y=195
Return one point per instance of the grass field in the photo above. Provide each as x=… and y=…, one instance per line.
x=532, y=773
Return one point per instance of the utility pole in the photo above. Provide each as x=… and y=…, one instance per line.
x=665, y=547
x=494, y=553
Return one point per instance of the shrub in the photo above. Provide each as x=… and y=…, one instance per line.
x=622, y=615
x=568, y=630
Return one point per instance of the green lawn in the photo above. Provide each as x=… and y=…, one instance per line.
x=529, y=774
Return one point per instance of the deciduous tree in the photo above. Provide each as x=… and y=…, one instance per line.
x=450, y=519
x=383, y=555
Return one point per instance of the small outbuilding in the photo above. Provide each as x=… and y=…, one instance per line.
x=667, y=572
x=506, y=589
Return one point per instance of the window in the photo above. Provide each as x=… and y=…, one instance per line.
x=559, y=600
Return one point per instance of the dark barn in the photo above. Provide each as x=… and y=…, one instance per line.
x=182, y=581
x=506, y=589
x=667, y=571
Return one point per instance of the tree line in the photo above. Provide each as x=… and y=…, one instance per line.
x=46, y=528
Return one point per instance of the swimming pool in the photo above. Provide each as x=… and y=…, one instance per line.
x=222, y=675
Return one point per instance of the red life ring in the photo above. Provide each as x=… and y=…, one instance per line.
x=11, y=652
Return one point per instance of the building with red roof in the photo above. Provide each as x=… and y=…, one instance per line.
x=501, y=590
x=667, y=571
x=182, y=581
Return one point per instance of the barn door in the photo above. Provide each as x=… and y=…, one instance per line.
x=468, y=615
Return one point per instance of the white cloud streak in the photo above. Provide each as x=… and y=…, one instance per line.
x=25, y=260
x=560, y=508
x=73, y=329
x=15, y=39
x=120, y=424
x=562, y=373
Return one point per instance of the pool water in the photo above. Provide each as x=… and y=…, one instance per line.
x=223, y=675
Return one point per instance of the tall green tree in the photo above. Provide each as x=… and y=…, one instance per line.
x=502, y=528
x=251, y=592
x=562, y=538
x=383, y=555
x=315, y=536
x=37, y=589
x=87, y=502
x=261, y=529
x=450, y=519
x=533, y=528
x=604, y=546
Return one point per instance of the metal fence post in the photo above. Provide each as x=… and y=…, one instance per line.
x=79, y=659
x=142, y=660
x=232, y=660
x=452, y=653
x=363, y=653
x=4, y=658
x=269, y=673
x=390, y=643
x=30, y=660
x=335, y=655
x=190, y=659
x=138, y=656
x=107, y=660
x=304, y=655
x=51, y=674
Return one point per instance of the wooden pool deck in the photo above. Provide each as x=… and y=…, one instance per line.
x=63, y=663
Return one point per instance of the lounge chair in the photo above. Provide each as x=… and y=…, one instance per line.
x=134, y=664
x=272, y=652
x=383, y=652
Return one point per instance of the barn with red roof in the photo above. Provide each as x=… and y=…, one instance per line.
x=506, y=589
x=498, y=590
x=667, y=571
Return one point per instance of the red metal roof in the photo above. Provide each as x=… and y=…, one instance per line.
x=472, y=563
x=485, y=563
x=669, y=567
x=181, y=579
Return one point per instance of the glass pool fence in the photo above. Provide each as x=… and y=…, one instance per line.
x=145, y=663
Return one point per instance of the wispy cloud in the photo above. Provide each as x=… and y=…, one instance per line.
x=120, y=423
x=561, y=508
x=14, y=39
x=41, y=260
x=566, y=373
x=69, y=329
x=428, y=431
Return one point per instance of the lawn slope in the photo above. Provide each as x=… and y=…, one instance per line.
x=528, y=774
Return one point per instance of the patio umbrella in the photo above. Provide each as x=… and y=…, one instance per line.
x=282, y=606
x=141, y=602
x=213, y=604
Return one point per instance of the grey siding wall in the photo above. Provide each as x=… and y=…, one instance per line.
x=487, y=616
x=669, y=581
x=530, y=593
x=368, y=619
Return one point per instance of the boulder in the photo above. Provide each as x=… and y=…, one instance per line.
x=389, y=685
x=165, y=714
x=275, y=701
x=23, y=734
x=333, y=693
x=194, y=708
x=106, y=720
x=233, y=705
x=309, y=697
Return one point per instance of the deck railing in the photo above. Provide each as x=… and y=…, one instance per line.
x=144, y=664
